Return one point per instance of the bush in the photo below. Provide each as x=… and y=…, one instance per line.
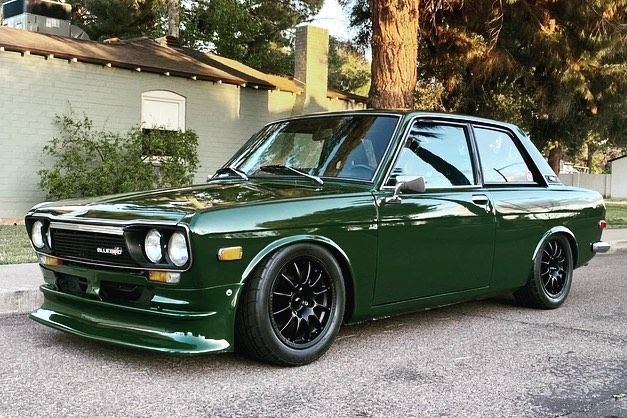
x=91, y=162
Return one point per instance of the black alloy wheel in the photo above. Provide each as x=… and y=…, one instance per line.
x=301, y=302
x=292, y=306
x=551, y=276
x=552, y=268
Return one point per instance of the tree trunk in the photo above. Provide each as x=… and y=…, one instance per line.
x=174, y=8
x=590, y=156
x=394, y=53
x=555, y=156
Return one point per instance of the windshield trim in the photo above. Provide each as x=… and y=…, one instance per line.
x=236, y=161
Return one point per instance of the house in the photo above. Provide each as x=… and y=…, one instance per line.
x=619, y=177
x=121, y=84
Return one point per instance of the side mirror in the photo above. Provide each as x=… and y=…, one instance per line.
x=414, y=184
x=406, y=184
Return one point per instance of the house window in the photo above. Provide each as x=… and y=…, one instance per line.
x=163, y=110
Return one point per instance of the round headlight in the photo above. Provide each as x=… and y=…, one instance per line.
x=36, y=234
x=152, y=246
x=177, y=249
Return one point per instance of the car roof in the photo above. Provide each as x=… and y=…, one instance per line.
x=404, y=113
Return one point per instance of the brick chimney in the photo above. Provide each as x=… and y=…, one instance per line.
x=311, y=68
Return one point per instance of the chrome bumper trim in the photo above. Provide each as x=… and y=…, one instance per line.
x=101, y=229
x=600, y=247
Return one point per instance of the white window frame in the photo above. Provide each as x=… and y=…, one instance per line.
x=149, y=121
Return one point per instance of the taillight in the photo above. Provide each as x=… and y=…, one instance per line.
x=602, y=224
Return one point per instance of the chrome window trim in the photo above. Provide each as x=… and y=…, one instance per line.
x=445, y=121
x=521, y=150
x=437, y=189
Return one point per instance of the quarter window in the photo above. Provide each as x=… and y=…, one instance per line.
x=501, y=161
x=437, y=152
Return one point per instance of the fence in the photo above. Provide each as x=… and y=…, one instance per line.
x=601, y=183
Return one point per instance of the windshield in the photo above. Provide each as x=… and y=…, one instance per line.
x=335, y=146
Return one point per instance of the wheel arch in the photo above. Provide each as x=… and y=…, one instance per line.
x=561, y=230
x=338, y=253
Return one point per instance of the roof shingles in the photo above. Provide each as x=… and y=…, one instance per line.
x=152, y=56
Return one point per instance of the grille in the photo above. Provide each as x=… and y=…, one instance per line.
x=83, y=246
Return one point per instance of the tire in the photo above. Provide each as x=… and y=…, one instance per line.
x=292, y=307
x=552, y=275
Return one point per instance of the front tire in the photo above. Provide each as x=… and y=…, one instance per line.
x=292, y=307
x=552, y=276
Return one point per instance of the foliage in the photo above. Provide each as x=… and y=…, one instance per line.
x=91, y=162
x=349, y=70
x=125, y=19
x=557, y=67
x=258, y=33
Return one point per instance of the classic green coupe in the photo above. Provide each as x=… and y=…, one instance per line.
x=318, y=220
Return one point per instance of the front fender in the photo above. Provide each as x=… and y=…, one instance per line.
x=316, y=239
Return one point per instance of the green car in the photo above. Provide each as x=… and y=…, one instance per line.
x=316, y=221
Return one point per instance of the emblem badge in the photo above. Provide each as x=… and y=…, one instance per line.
x=110, y=251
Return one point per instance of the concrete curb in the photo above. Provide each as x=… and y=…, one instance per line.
x=20, y=301
x=20, y=294
x=19, y=288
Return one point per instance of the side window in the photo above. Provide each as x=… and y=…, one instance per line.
x=501, y=161
x=437, y=152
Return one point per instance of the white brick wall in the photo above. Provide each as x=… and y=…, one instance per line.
x=34, y=89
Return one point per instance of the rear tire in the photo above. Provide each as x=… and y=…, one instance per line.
x=552, y=275
x=292, y=307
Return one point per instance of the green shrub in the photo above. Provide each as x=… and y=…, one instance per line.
x=91, y=162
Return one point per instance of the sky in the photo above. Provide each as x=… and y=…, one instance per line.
x=333, y=18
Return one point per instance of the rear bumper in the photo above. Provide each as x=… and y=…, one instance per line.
x=192, y=321
x=600, y=247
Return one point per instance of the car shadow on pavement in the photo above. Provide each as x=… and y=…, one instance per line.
x=363, y=332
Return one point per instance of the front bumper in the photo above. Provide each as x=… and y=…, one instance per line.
x=184, y=330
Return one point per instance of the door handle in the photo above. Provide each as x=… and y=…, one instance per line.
x=483, y=201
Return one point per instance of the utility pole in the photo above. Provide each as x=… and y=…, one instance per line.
x=174, y=10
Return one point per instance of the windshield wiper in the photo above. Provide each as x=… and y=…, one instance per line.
x=237, y=171
x=283, y=168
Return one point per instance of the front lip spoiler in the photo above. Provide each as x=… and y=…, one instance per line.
x=165, y=331
x=600, y=247
x=179, y=342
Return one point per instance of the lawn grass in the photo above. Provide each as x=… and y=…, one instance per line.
x=616, y=216
x=15, y=246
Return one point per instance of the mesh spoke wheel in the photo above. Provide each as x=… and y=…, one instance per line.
x=552, y=275
x=552, y=268
x=301, y=300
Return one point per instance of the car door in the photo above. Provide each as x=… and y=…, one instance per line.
x=524, y=208
x=441, y=240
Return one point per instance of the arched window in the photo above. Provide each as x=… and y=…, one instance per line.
x=163, y=110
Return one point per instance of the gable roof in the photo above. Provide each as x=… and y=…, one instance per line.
x=154, y=56
x=617, y=158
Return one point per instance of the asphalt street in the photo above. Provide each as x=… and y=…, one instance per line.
x=486, y=358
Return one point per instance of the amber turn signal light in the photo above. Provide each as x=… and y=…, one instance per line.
x=230, y=253
x=46, y=260
x=164, y=276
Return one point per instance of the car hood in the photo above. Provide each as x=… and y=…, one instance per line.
x=173, y=205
